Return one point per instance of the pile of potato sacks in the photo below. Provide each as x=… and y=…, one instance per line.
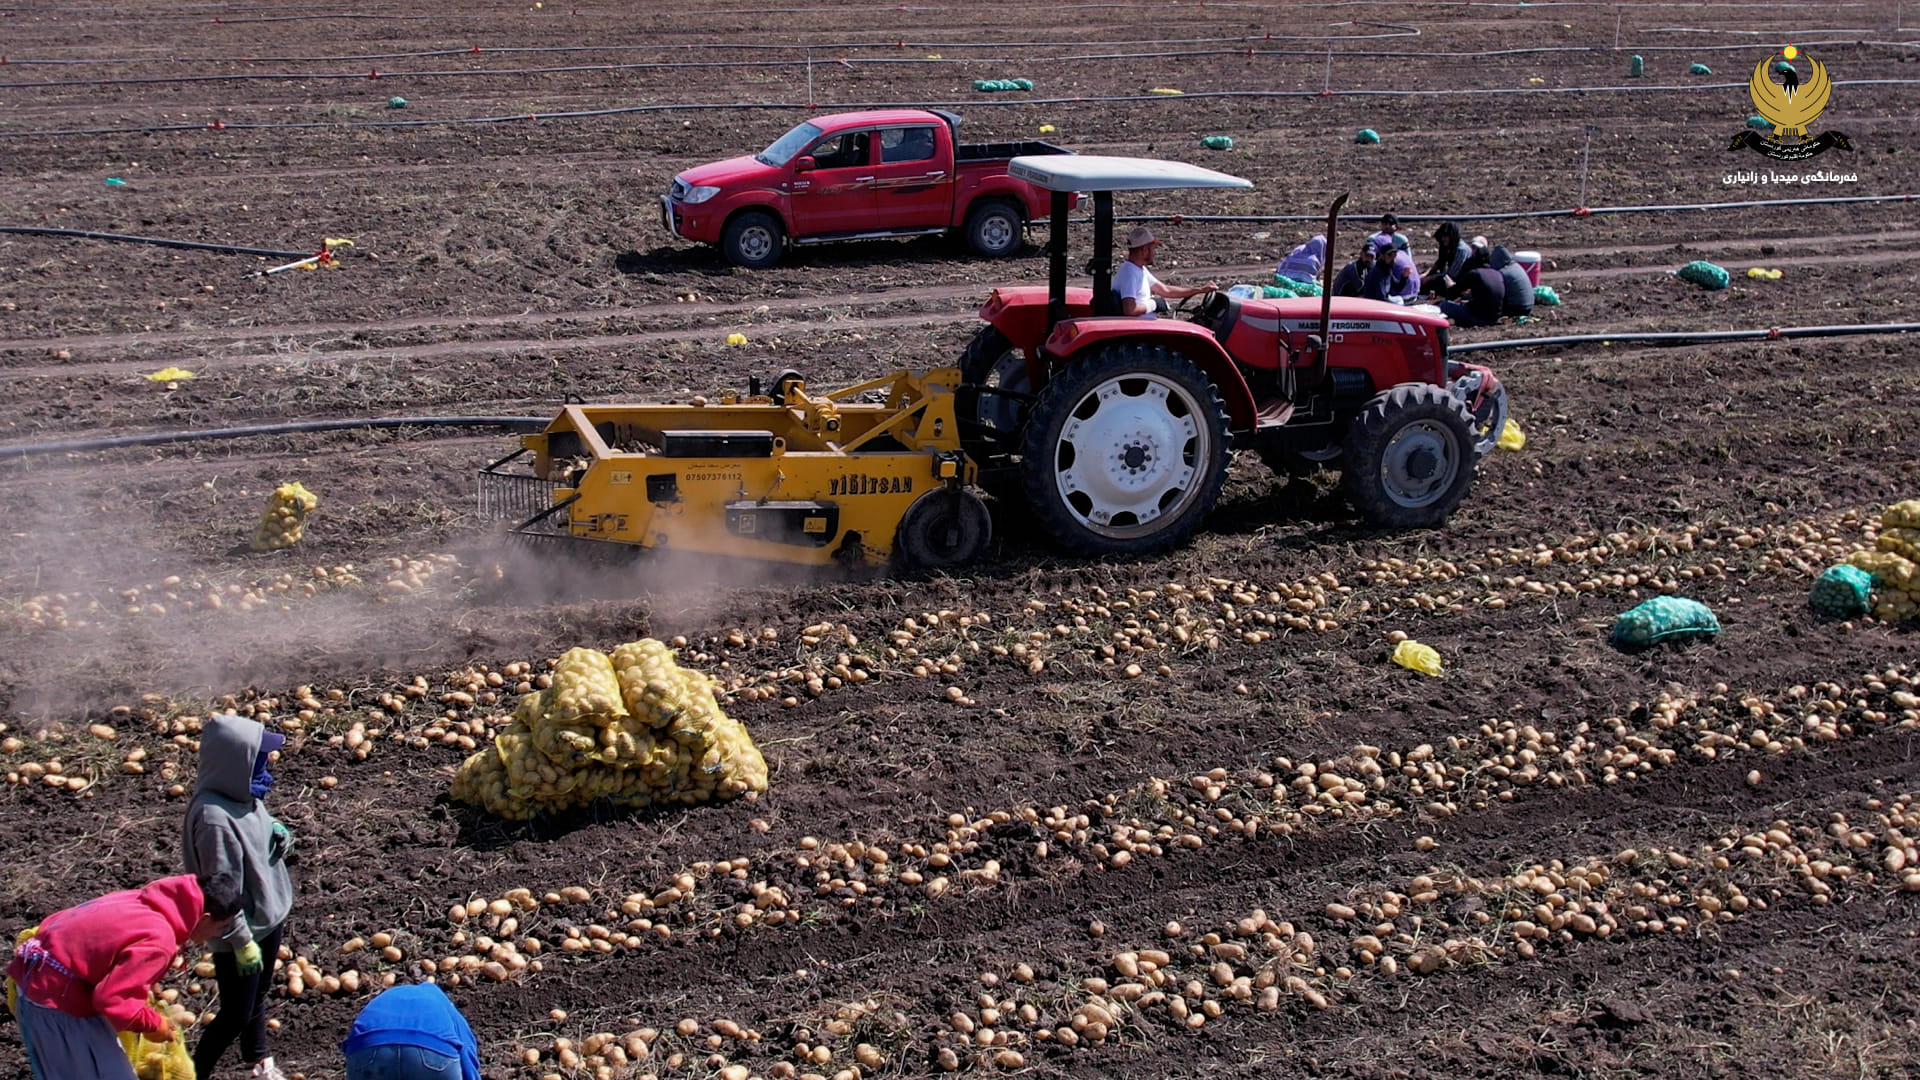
x=634, y=728
x=286, y=517
x=1895, y=564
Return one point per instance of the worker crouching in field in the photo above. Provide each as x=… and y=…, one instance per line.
x=1486, y=294
x=411, y=1033
x=1393, y=277
x=89, y=971
x=1519, y=296
x=238, y=852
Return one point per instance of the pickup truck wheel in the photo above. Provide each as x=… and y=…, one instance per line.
x=996, y=230
x=1125, y=451
x=754, y=240
x=1409, y=457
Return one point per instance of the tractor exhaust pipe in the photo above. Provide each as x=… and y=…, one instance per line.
x=1326, y=292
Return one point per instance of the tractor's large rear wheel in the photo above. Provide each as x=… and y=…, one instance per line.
x=992, y=373
x=1125, y=451
x=1409, y=457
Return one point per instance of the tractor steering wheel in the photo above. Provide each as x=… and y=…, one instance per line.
x=1205, y=298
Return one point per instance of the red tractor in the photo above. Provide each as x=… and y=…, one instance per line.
x=1118, y=429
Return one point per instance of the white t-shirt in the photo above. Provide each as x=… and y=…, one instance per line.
x=1136, y=281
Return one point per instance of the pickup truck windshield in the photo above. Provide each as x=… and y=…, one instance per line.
x=786, y=146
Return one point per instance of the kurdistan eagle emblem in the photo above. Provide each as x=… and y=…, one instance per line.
x=1790, y=105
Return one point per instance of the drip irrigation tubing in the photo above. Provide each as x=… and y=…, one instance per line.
x=535, y=423
x=794, y=106
x=158, y=438
x=509, y=50
x=848, y=47
x=309, y=14
x=680, y=65
x=1516, y=215
x=187, y=245
x=1690, y=337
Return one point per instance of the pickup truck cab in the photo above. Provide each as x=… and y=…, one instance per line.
x=858, y=176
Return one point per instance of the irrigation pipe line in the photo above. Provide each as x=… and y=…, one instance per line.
x=550, y=49
x=943, y=9
x=188, y=245
x=1516, y=215
x=1773, y=333
x=535, y=423
x=681, y=65
x=794, y=106
x=22, y=450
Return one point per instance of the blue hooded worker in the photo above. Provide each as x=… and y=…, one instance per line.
x=238, y=852
x=411, y=1033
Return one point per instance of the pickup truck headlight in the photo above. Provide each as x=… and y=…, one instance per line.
x=699, y=194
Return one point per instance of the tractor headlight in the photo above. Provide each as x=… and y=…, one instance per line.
x=699, y=194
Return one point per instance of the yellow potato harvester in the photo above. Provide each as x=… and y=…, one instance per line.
x=788, y=476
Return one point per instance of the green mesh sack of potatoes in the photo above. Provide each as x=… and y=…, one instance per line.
x=286, y=517
x=1704, y=274
x=633, y=728
x=1842, y=592
x=1664, y=618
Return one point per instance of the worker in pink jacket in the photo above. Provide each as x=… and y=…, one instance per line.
x=89, y=970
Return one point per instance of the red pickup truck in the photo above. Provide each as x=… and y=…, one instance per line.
x=858, y=176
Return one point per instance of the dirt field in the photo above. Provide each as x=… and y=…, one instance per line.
x=1557, y=858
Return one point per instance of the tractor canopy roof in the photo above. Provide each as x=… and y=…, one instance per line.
x=1094, y=172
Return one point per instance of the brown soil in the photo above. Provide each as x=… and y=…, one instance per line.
x=500, y=266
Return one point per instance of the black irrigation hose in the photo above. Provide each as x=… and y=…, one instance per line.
x=849, y=46
x=188, y=245
x=535, y=423
x=680, y=65
x=1685, y=337
x=1516, y=215
x=795, y=106
x=525, y=423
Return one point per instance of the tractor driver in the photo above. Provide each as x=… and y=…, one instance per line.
x=1137, y=286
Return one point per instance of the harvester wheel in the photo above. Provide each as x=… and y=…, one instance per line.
x=992, y=363
x=995, y=229
x=1409, y=457
x=943, y=529
x=1125, y=451
x=754, y=240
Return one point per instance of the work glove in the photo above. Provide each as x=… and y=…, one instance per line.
x=281, y=843
x=247, y=960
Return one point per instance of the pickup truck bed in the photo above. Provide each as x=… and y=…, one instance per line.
x=1004, y=151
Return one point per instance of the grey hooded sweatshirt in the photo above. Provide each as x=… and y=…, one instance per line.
x=229, y=835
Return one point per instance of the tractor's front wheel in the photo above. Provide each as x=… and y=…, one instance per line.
x=1125, y=451
x=1409, y=457
x=993, y=383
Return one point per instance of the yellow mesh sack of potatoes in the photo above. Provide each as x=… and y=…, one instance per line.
x=634, y=728
x=1901, y=540
x=155, y=1060
x=286, y=517
x=1902, y=515
x=1896, y=583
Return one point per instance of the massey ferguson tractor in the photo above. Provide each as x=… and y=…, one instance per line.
x=1114, y=431
x=1120, y=427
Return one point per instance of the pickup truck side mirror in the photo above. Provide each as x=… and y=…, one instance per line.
x=803, y=163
